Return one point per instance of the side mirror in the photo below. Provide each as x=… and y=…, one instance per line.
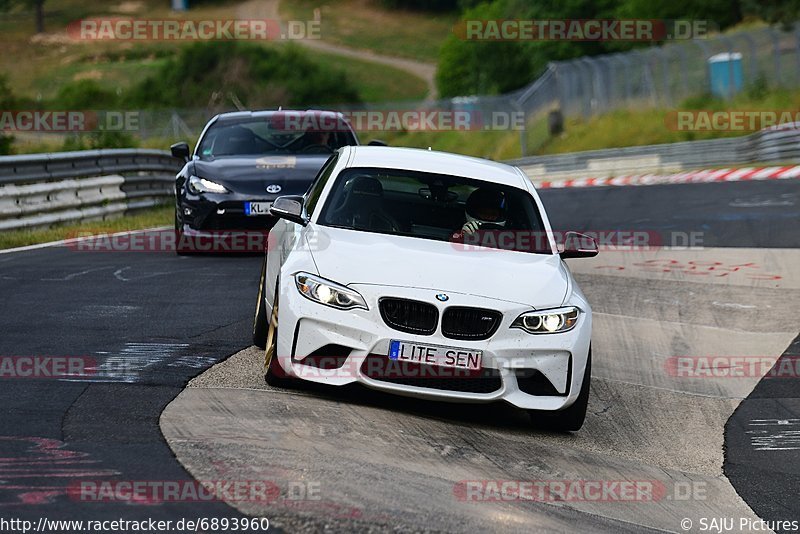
x=289, y=208
x=578, y=245
x=180, y=150
x=377, y=142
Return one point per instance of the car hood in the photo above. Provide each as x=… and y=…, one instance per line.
x=252, y=175
x=354, y=257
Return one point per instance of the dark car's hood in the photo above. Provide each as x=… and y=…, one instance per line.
x=251, y=175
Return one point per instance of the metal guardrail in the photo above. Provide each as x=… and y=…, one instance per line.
x=43, y=189
x=766, y=146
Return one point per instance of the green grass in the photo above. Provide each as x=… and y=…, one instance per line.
x=161, y=216
x=376, y=82
x=617, y=129
x=647, y=127
x=364, y=24
x=495, y=145
x=38, y=67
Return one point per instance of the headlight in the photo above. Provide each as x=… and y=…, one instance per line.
x=199, y=185
x=328, y=293
x=548, y=321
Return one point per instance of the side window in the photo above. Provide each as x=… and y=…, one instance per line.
x=314, y=192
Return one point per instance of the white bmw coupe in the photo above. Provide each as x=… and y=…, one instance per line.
x=426, y=274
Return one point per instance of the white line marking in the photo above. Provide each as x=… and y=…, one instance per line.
x=64, y=242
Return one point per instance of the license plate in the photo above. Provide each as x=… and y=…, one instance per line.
x=404, y=351
x=257, y=208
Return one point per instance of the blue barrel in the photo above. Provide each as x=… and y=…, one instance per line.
x=725, y=73
x=180, y=5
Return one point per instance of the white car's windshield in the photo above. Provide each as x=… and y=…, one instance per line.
x=435, y=206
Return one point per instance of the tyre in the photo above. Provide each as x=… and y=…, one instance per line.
x=274, y=375
x=260, y=324
x=179, y=250
x=569, y=419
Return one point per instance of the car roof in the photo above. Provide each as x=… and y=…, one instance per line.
x=415, y=159
x=267, y=113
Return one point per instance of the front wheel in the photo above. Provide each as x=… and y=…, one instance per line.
x=570, y=419
x=274, y=375
x=179, y=247
x=260, y=326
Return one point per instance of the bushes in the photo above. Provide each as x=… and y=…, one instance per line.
x=485, y=67
x=85, y=94
x=210, y=74
x=482, y=67
x=99, y=139
x=258, y=76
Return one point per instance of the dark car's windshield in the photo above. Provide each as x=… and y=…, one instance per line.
x=437, y=207
x=264, y=136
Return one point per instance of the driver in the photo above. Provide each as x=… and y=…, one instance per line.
x=317, y=138
x=484, y=206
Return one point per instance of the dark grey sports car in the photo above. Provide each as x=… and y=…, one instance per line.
x=245, y=160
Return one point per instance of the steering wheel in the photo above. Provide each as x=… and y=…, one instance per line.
x=264, y=140
x=391, y=223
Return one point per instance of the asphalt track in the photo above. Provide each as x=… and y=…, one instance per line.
x=153, y=321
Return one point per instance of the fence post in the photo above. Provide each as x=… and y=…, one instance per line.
x=586, y=86
x=665, y=73
x=776, y=49
x=706, y=74
x=684, y=69
x=753, y=56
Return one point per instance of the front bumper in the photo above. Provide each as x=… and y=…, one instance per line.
x=514, y=362
x=213, y=212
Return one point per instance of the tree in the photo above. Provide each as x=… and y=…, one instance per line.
x=7, y=103
x=37, y=5
x=783, y=12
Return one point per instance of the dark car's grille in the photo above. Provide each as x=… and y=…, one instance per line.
x=380, y=367
x=470, y=323
x=410, y=316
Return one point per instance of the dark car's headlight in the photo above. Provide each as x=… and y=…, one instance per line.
x=328, y=293
x=548, y=321
x=199, y=185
